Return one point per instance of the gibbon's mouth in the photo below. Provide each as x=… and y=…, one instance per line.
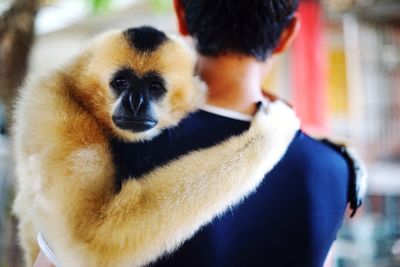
x=134, y=124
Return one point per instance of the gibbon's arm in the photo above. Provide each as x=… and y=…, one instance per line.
x=154, y=214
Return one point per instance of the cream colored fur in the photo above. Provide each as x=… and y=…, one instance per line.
x=66, y=175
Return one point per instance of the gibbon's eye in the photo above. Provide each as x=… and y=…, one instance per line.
x=120, y=84
x=157, y=88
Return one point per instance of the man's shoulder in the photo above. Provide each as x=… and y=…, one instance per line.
x=315, y=156
x=320, y=173
x=305, y=156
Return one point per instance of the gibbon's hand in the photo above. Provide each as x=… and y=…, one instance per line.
x=273, y=120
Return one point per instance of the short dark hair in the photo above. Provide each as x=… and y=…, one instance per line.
x=249, y=27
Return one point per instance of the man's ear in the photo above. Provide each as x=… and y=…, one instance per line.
x=288, y=35
x=181, y=18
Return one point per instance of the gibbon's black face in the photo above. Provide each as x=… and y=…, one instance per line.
x=138, y=93
x=136, y=97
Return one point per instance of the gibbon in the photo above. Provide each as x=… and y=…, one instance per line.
x=130, y=85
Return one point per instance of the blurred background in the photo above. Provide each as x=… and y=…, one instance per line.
x=342, y=75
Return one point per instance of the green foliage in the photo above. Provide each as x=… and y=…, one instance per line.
x=162, y=5
x=100, y=5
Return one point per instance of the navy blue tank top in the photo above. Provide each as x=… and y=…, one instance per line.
x=291, y=220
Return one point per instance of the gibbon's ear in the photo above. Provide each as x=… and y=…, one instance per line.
x=288, y=36
x=181, y=18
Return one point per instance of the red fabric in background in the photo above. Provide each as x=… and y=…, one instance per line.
x=308, y=63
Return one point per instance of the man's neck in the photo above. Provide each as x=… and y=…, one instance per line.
x=233, y=82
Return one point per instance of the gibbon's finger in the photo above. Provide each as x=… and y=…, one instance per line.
x=274, y=98
x=259, y=105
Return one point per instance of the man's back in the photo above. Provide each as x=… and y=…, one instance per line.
x=291, y=220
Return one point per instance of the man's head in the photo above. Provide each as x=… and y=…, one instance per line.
x=253, y=28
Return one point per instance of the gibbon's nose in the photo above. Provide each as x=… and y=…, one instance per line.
x=135, y=100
